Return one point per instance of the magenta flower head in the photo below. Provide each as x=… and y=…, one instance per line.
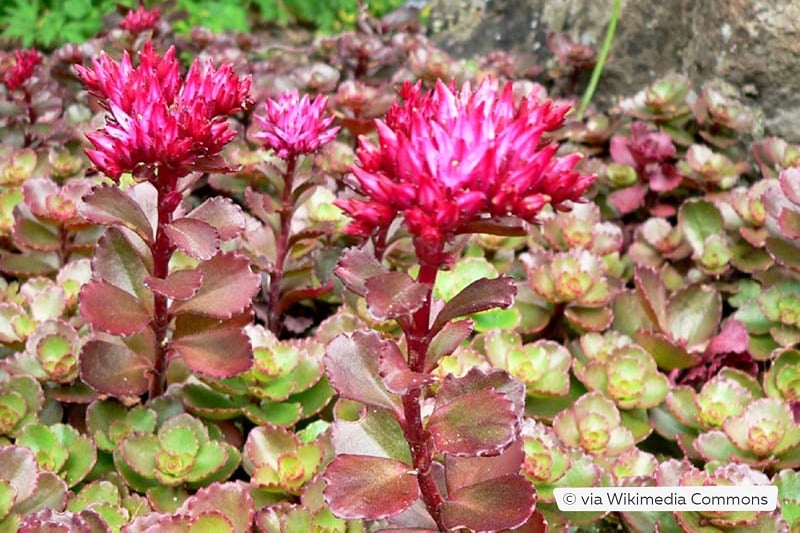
x=22, y=70
x=447, y=159
x=160, y=125
x=292, y=125
x=139, y=20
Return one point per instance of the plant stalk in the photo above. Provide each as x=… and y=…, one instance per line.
x=601, y=60
x=281, y=246
x=162, y=253
x=419, y=439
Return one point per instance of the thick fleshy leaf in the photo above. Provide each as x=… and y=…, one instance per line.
x=194, y=237
x=214, y=348
x=446, y=341
x=699, y=219
x=221, y=213
x=33, y=233
x=693, y=314
x=784, y=252
x=112, y=309
x=360, y=486
x=231, y=499
x=109, y=205
x=396, y=374
x=476, y=380
x=478, y=296
x=500, y=503
x=376, y=434
x=228, y=287
x=114, y=369
x=355, y=267
x=178, y=285
x=393, y=295
x=352, y=366
x=118, y=261
x=667, y=354
x=465, y=471
x=653, y=294
x=29, y=264
x=478, y=423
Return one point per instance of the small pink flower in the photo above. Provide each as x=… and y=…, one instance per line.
x=26, y=62
x=446, y=159
x=139, y=20
x=158, y=122
x=292, y=125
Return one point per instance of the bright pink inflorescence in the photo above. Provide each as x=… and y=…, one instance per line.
x=26, y=62
x=446, y=159
x=292, y=125
x=158, y=120
x=139, y=20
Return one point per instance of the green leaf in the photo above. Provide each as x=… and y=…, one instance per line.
x=699, y=219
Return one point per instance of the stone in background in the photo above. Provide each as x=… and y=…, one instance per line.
x=752, y=44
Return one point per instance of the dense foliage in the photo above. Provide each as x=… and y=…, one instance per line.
x=357, y=285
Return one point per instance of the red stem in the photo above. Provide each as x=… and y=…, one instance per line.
x=162, y=252
x=419, y=439
x=282, y=246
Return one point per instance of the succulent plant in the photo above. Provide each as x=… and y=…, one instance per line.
x=278, y=462
x=663, y=101
x=628, y=376
x=285, y=384
x=180, y=454
x=594, y=425
x=782, y=203
x=575, y=284
x=25, y=488
x=765, y=435
x=21, y=399
x=543, y=366
x=774, y=154
x=59, y=448
x=710, y=170
x=782, y=380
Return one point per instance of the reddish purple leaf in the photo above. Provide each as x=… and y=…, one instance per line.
x=393, y=295
x=221, y=213
x=214, y=348
x=475, y=380
x=118, y=261
x=260, y=205
x=478, y=423
x=112, y=309
x=446, y=341
x=790, y=183
x=396, y=374
x=359, y=486
x=355, y=267
x=194, y=237
x=114, y=369
x=501, y=503
x=109, y=205
x=351, y=363
x=228, y=287
x=464, y=471
x=732, y=338
x=628, y=199
x=480, y=295
x=179, y=285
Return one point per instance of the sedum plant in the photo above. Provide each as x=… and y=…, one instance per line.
x=162, y=129
x=449, y=161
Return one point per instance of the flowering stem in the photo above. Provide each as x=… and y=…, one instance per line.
x=282, y=245
x=419, y=439
x=162, y=253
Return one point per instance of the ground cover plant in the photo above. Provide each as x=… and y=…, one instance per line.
x=353, y=284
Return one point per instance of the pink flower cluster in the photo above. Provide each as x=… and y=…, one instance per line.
x=26, y=62
x=139, y=20
x=292, y=125
x=446, y=159
x=159, y=122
